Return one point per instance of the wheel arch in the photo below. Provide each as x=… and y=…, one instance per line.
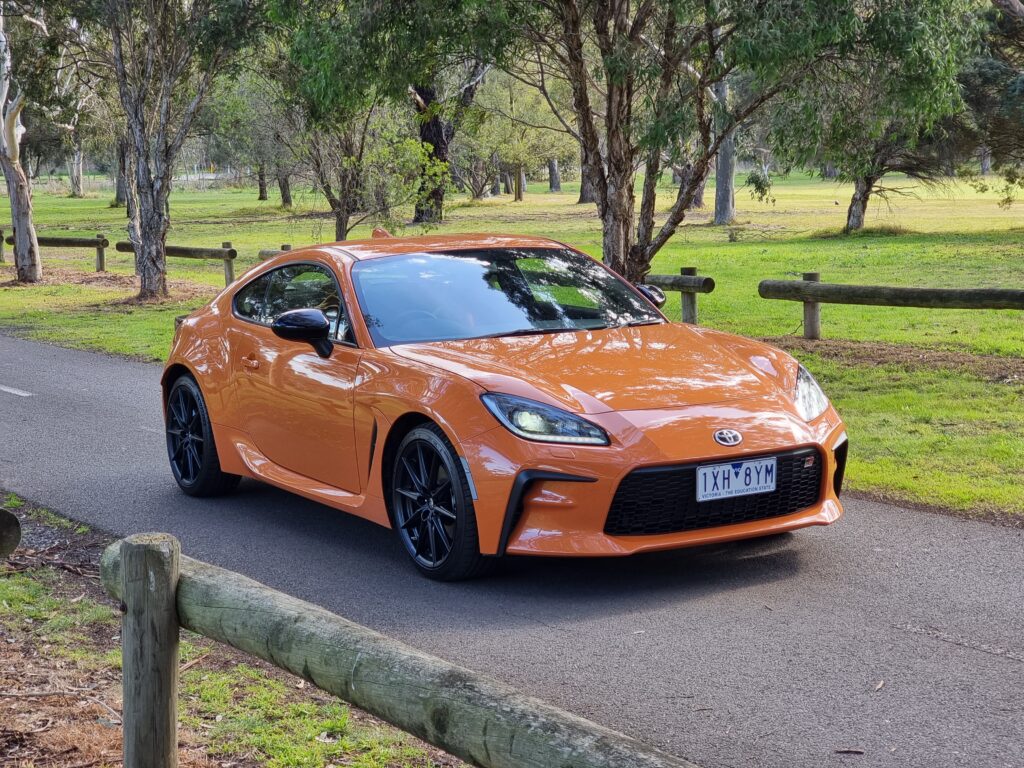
x=399, y=428
x=171, y=374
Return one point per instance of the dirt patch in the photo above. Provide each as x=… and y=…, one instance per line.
x=180, y=290
x=996, y=368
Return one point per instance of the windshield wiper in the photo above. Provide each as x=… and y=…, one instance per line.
x=645, y=321
x=526, y=332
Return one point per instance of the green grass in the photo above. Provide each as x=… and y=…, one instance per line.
x=963, y=458
x=235, y=711
x=933, y=437
x=246, y=713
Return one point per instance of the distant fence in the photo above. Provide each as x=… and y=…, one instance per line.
x=813, y=293
x=100, y=243
x=269, y=253
x=689, y=284
x=475, y=718
x=225, y=253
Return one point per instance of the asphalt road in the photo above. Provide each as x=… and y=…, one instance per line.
x=895, y=632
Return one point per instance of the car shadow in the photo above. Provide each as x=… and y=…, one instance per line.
x=359, y=570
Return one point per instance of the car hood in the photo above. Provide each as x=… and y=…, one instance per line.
x=617, y=369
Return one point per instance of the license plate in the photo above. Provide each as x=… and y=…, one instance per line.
x=737, y=478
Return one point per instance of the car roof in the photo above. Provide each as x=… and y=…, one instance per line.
x=379, y=247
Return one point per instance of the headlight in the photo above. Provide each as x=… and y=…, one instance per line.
x=535, y=421
x=810, y=400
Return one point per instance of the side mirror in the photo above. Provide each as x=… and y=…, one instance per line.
x=309, y=325
x=653, y=293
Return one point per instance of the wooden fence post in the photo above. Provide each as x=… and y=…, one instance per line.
x=229, y=267
x=689, y=300
x=2, y=260
x=812, y=311
x=101, y=260
x=10, y=532
x=149, y=650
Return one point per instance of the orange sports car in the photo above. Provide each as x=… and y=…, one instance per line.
x=488, y=395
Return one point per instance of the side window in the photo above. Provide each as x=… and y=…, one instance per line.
x=250, y=302
x=307, y=286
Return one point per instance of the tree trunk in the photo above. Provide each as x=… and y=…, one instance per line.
x=284, y=186
x=554, y=177
x=862, y=189
x=120, y=181
x=506, y=183
x=985, y=158
x=698, y=198
x=149, y=237
x=725, y=161
x=588, y=193
x=520, y=183
x=75, y=163
x=496, y=185
x=261, y=181
x=434, y=135
x=829, y=171
x=341, y=217
x=617, y=219
x=27, y=262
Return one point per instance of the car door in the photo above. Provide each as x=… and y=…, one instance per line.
x=297, y=407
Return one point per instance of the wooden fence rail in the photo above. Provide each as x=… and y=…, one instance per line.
x=475, y=718
x=269, y=253
x=225, y=253
x=100, y=243
x=689, y=284
x=813, y=293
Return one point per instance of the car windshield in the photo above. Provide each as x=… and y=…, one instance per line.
x=426, y=297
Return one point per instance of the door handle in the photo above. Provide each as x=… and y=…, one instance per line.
x=251, y=362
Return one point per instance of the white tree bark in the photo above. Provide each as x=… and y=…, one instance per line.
x=27, y=262
x=725, y=164
x=75, y=163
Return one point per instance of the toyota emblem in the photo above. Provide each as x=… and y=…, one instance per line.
x=728, y=437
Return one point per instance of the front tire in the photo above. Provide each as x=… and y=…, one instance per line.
x=432, y=507
x=190, y=445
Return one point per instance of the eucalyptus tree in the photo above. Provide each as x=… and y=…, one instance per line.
x=877, y=109
x=644, y=77
x=164, y=55
x=994, y=90
x=18, y=76
x=430, y=55
x=512, y=127
x=248, y=118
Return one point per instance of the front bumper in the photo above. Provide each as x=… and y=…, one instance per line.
x=555, y=500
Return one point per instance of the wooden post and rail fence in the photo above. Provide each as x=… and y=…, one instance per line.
x=689, y=284
x=480, y=720
x=810, y=290
x=813, y=293
x=226, y=253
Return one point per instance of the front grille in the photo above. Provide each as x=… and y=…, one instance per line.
x=664, y=499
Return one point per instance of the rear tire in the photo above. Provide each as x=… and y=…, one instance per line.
x=190, y=445
x=432, y=507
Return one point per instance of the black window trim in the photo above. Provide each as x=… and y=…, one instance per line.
x=305, y=262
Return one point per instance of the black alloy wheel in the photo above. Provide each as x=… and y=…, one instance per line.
x=432, y=507
x=190, y=445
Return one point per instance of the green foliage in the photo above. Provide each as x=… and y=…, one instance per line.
x=870, y=111
x=343, y=52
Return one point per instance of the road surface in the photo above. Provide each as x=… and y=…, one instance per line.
x=896, y=633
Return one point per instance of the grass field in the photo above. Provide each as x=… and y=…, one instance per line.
x=62, y=684
x=934, y=398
